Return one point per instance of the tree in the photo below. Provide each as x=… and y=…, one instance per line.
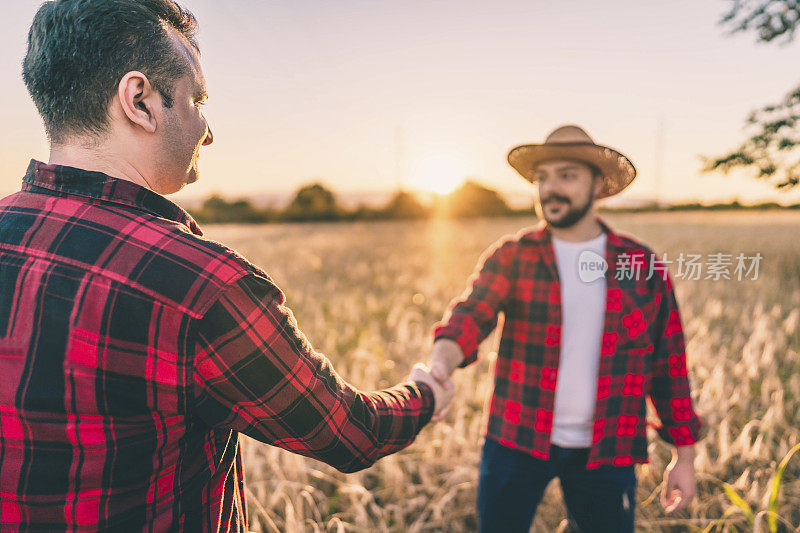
x=313, y=202
x=405, y=205
x=473, y=199
x=774, y=129
x=216, y=209
x=770, y=19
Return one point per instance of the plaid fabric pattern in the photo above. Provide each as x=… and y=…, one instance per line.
x=133, y=352
x=642, y=352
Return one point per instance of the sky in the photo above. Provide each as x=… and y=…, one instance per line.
x=372, y=95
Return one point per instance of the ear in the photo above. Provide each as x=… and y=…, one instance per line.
x=139, y=100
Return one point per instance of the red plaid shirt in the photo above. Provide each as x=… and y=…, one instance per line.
x=133, y=351
x=642, y=353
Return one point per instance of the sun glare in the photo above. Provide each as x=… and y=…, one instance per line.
x=439, y=174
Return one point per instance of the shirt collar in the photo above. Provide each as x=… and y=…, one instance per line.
x=45, y=178
x=616, y=245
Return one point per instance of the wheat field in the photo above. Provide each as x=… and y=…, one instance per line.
x=367, y=295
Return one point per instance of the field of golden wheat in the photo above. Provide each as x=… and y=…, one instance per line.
x=367, y=294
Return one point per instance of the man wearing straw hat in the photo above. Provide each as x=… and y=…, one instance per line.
x=591, y=331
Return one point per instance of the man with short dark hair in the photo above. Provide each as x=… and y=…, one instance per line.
x=591, y=331
x=132, y=350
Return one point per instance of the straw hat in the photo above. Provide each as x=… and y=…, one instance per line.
x=572, y=143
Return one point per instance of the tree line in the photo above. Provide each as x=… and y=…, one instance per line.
x=315, y=202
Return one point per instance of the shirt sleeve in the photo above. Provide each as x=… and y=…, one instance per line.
x=255, y=372
x=670, y=393
x=472, y=317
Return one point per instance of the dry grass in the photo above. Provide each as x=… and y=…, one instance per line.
x=367, y=295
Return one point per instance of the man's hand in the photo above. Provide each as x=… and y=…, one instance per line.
x=446, y=356
x=442, y=392
x=680, y=483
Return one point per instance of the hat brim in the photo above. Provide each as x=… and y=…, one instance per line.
x=618, y=171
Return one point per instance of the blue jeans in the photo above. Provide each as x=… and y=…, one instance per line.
x=512, y=483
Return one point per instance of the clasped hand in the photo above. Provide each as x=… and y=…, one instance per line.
x=445, y=358
x=442, y=390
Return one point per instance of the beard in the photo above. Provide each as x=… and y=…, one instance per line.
x=574, y=213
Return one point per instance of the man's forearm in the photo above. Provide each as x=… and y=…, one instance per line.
x=685, y=454
x=445, y=357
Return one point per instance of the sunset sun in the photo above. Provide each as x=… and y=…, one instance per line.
x=440, y=174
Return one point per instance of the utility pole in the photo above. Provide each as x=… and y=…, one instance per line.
x=659, y=160
x=399, y=157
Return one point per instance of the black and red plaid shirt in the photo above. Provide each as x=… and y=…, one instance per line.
x=642, y=353
x=133, y=351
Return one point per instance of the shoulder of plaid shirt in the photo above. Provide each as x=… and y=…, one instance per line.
x=471, y=317
x=132, y=351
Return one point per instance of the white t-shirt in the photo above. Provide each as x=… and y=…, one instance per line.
x=583, y=306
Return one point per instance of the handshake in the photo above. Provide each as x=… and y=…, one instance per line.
x=445, y=357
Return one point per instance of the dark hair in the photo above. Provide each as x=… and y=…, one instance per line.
x=79, y=50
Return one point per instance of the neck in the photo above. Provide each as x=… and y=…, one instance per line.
x=585, y=229
x=97, y=159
